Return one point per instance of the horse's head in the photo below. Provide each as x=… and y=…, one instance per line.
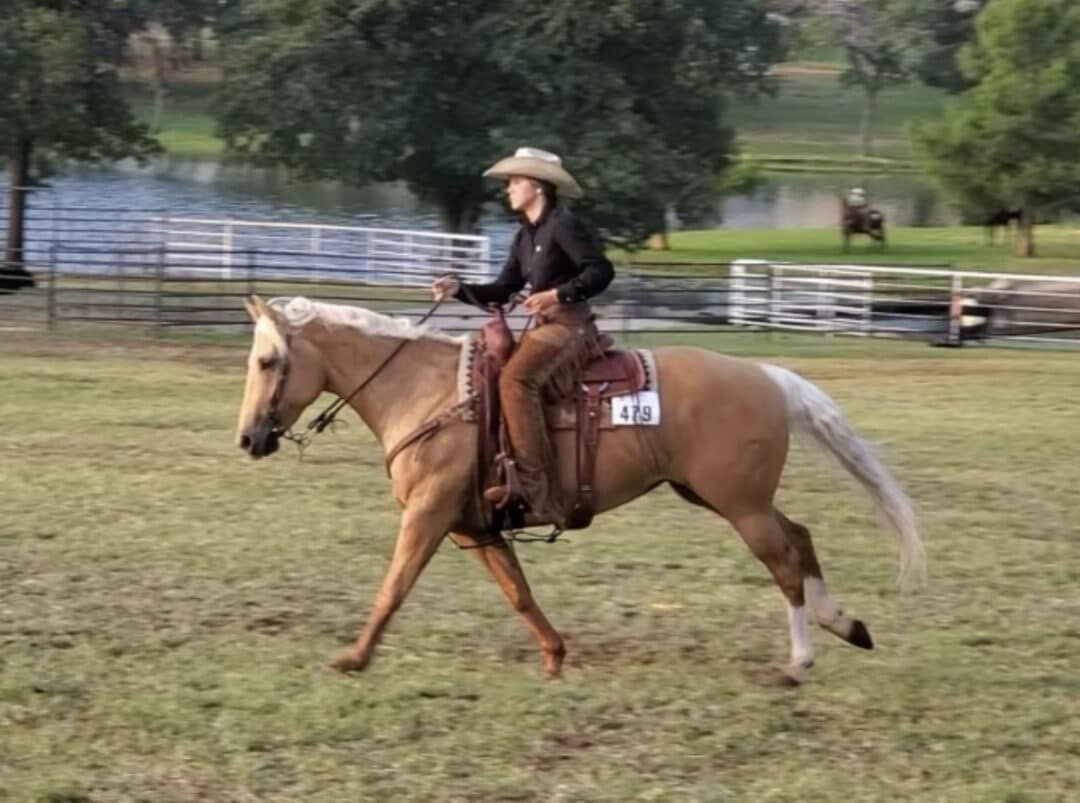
x=284, y=375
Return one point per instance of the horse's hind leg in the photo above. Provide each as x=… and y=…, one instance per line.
x=826, y=611
x=763, y=533
x=500, y=560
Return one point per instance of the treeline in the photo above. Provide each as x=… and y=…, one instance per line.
x=634, y=93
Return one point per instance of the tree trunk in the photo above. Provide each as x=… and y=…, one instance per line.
x=866, y=127
x=14, y=275
x=157, y=58
x=197, y=53
x=1025, y=235
x=458, y=213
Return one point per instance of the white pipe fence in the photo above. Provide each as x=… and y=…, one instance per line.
x=314, y=250
x=862, y=300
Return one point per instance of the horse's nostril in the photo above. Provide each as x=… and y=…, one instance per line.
x=245, y=442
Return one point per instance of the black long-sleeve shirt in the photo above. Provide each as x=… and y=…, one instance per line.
x=557, y=251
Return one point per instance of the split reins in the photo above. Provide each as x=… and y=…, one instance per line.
x=327, y=416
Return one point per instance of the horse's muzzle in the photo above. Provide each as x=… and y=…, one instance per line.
x=260, y=443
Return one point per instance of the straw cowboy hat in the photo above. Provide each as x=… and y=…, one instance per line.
x=538, y=164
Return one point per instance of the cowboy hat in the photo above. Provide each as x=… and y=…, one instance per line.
x=538, y=164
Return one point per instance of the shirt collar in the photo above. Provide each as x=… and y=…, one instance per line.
x=548, y=210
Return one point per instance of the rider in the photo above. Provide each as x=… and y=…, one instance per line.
x=564, y=264
x=856, y=198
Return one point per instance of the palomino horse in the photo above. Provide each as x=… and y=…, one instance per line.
x=721, y=443
x=861, y=220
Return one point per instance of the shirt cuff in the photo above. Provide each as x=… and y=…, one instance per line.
x=566, y=293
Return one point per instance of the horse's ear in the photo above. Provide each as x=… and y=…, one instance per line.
x=252, y=308
x=257, y=308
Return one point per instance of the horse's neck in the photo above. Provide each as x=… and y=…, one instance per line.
x=417, y=382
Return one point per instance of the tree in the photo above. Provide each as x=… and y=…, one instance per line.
x=58, y=100
x=871, y=33
x=431, y=91
x=936, y=31
x=1013, y=139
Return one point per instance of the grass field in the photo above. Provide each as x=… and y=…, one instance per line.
x=815, y=120
x=168, y=607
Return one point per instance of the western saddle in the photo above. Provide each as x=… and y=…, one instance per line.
x=612, y=372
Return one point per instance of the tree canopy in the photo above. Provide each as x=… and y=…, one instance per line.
x=1013, y=139
x=430, y=92
x=58, y=100
x=937, y=30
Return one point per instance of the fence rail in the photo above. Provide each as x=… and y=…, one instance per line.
x=310, y=250
x=147, y=279
x=149, y=287
x=953, y=306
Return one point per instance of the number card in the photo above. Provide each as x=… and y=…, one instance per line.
x=636, y=409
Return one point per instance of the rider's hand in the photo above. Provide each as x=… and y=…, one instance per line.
x=445, y=287
x=538, y=302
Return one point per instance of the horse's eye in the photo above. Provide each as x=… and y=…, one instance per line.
x=266, y=363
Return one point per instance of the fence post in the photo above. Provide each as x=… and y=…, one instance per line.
x=826, y=306
x=736, y=301
x=50, y=295
x=251, y=272
x=771, y=308
x=227, y=247
x=159, y=289
x=121, y=285
x=956, y=311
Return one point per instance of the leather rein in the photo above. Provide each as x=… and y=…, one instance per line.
x=327, y=416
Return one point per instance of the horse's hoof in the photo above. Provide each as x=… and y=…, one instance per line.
x=792, y=675
x=348, y=663
x=553, y=663
x=860, y=636
x=789, y=678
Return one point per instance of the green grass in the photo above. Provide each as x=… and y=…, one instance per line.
x=813, y=117
x=168, y=608
x=956, y=246
x=187, y=125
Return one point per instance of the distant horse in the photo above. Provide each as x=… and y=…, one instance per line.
x=721, y=442
x=861, y=220
x=1001, y=218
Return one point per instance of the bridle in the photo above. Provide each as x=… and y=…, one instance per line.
x=327, y=416
x=279, y=390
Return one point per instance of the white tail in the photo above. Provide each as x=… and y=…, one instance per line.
x=820, y=420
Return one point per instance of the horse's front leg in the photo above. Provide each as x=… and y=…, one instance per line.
x=421, y=532
x=499, y=559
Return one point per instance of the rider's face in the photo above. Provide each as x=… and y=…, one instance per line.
x=521, y=191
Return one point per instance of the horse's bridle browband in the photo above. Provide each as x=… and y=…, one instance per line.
x=326, y=417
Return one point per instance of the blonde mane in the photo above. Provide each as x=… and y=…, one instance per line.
x=300, y=310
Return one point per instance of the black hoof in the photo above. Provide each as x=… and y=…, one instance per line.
x=860, y=636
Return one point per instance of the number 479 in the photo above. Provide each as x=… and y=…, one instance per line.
x=636, y=413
